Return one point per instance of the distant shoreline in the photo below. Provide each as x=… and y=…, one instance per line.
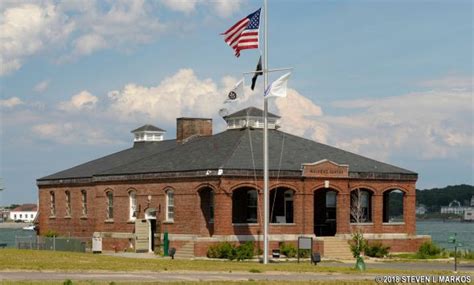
x=13, y=225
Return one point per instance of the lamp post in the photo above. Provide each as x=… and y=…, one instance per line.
x=453, y=240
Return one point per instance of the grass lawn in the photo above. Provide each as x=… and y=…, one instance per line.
x=36, y=260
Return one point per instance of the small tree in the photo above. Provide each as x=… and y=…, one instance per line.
x=358, y=243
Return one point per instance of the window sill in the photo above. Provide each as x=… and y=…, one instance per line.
x=362, y=224
x=83, y=217
x=283, y=224
x=68, y=217
x=109, y=221
x=168, y=222
x=244, y=224
x=52, y=217
x=394, y=224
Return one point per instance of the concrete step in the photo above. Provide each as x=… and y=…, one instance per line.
x=186, y=251
x=336, y=248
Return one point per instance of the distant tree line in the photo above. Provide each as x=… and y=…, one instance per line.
x=434, y=198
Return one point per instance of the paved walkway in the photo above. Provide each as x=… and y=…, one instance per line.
x=180, y=276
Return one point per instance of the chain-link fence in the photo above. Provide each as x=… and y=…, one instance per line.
x=78, y=244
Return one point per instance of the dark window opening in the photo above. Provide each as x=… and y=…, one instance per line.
x=281, y=206
x=244, y=205
x=325, y=203
x=393, y=206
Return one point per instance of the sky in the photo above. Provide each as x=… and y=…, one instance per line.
x=390, y=80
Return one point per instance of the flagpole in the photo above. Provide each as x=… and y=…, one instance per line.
x=265, y=137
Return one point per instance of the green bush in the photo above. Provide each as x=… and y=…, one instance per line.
x=376, y=249
x=51, y=233
x=427, y=250
x=230, y=251
x=245, y=251
x=357, y=244
x=222, y=250
x=304, y=253
x=288, y=250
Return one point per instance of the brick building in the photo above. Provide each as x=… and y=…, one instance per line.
x=203, y=188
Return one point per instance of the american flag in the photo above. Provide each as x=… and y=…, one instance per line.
x=244, y=34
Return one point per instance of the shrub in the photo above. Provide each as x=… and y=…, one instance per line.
x=51, y=233
x=427, y=250
x=376, y=249
x=222, y=250
x=245, y=251
x=357, y=244
x=230, y=251
x=288, y=250
x=304, y=253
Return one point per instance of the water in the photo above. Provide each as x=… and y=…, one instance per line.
x=441, y=231
x=438, y=230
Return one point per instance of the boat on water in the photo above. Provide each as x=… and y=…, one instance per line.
x=29, y=228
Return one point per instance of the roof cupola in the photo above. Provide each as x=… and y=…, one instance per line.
x=251, y=117
x=148, y=133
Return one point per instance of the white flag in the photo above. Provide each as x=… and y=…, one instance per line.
x=278, y=87
x=236, y=93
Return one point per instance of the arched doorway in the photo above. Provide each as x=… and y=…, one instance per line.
x=150, y=216
x=325, y=222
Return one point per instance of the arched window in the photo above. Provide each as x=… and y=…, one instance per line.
x=132, y=197
x=361, y=206
x=393, y=206
x=110, y=205
x=244, y=205
x=170, y=205
x=68, y=204
x=52, y=204
x=84, y=202
x=281, y=206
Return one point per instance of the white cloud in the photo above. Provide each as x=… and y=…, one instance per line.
x=226, y=8
x=67, y=133
x=300, y=116
x=89, y=43
x=185, y=6
x=450, y=82
x=11, y=102
x=81, y=101
x=222, y=8
x=178, y=95
x=184, y=94
x=41, y=86
x=27, y=29
x=426, y=125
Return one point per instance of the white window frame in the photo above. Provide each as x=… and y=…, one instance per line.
x=68, y=203
x=84, y=202
x=170, y=205
x=110, y=205
x=132, y=205
x=52, y=204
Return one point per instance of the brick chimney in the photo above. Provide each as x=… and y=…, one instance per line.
x=187, y=128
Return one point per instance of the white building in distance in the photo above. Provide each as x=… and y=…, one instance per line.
x=25, y=213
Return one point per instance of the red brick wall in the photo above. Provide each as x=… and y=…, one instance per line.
x=189, y=218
